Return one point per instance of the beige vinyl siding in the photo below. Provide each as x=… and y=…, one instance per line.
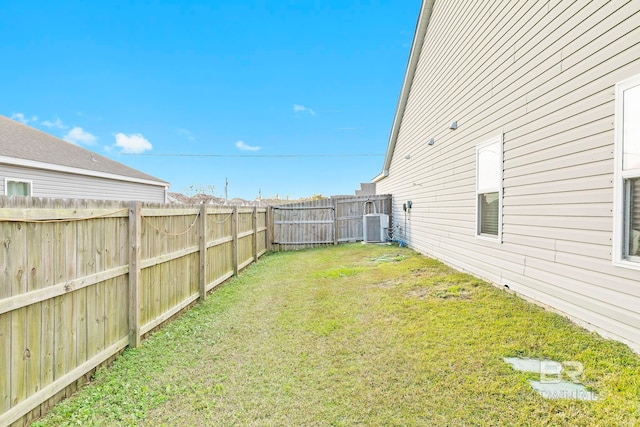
x=55, y=184
x=543, y=74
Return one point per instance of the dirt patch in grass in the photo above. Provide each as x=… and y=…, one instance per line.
x=439, y=284
x=356, y=335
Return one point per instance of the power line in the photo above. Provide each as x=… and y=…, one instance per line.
x=251, y=155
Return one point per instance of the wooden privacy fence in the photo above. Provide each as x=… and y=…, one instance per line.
x=323, y=222
x=82, y=280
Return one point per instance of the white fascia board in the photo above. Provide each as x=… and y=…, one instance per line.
x=414, y=56
x=14, y=161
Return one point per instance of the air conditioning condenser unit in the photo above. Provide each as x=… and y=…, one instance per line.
x=374, y=227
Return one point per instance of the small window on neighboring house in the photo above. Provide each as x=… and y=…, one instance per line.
x=627, y=174
x=14, y=187
x=489, y=189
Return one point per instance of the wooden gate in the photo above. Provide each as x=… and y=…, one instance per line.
x=304, y=225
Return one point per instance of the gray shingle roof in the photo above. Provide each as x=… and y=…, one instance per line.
x=21, y=141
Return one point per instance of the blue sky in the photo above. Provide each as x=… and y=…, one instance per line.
x=136, y=80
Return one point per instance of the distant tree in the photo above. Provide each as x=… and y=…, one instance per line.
x=195, y=190
x=197, y=194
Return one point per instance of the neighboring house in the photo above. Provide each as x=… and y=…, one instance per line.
x=34, y=163
x=517, y=140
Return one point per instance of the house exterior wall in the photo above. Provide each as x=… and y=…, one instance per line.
x=53, y=184
x=542, y=74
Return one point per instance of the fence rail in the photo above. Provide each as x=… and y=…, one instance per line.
x=82, y=280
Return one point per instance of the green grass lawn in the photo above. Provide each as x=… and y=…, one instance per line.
x=356, y=335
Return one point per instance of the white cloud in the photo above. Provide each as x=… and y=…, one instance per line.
x=244, y=147
x=57, y=123
x=134, y=143
x=22, y=118
x=77, y=135
x=187, y=134
x=297, y=108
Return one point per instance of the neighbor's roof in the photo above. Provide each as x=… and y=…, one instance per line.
x=25, y=146
x=414, y=56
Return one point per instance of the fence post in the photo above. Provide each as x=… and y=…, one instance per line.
x=235, y=240
x=135, y=228
x=255, y=234
x=202, y=240
x=268, y=220
x=335, y=220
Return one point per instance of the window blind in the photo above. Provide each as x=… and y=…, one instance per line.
x=489, y=211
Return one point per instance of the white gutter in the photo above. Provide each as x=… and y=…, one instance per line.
x=381, y=176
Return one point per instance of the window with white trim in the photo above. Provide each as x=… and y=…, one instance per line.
x=627, y=174
x=17, y=187
x=489, y=167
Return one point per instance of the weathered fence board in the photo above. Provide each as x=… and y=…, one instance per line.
x=323, y=222
x=82, y=280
